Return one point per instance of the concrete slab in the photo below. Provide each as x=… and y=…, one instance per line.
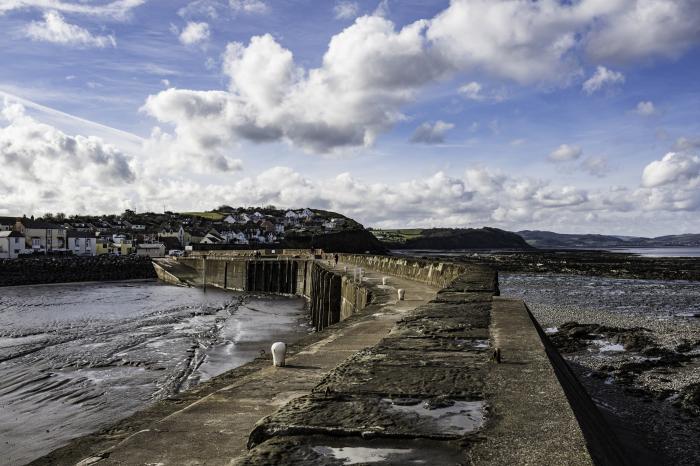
x=531, y=421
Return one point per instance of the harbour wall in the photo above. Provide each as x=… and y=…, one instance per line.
x=531, y=396
x=37, y=270
x=332, y=296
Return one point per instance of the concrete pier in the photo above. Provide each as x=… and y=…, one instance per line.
x=403, y=382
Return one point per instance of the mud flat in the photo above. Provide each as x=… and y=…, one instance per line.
x=635, y=345
x=77, y=357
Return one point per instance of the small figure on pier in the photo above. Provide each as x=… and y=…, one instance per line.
x=335, y=258
x=496, y=355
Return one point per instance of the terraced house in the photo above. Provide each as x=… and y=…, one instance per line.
x=42, y=236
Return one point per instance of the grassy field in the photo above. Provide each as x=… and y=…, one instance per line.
x=398, y=235
x=213, y=216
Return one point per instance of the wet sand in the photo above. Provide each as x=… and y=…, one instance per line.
x=78, y=357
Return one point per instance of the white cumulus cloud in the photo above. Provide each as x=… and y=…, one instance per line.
x=565, y=153
x=194, y=33
x=672, y=168
x=372, y=69
x=602, y=77
x=55, y=29
x=669, y=28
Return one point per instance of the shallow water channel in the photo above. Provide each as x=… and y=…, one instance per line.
x=77, y=357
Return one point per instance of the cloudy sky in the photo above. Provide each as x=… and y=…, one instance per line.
x=567, y=115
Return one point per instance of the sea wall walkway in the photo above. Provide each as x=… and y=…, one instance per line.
x=395, y=381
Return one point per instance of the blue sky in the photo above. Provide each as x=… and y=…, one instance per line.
x=570, y=116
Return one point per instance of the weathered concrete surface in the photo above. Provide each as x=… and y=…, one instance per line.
x=423, y=382
x=531, y=421
x=215, y=428
x=435, y=273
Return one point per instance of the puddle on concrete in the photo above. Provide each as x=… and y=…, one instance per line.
x=350, y=451
x=363, y=455
x=446, y=417
x=477, y=344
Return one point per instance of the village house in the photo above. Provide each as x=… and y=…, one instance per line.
x=231, y=219
x=306, y=213
x=267, y=226
x=190, y=235
x=234, y=237
x=42, y=236
x=7, y=223
x=82, y=243
x=212, y=237
x=12, y=244
x=118, y=245
x=333, y=223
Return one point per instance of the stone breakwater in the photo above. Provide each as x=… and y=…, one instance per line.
x=64, y=269
x=430, y=393
x=409, y=381
x=598, y=263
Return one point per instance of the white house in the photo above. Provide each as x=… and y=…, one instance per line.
x=333, y=223
x=82, y=243
x=230, y=219
x=291, y=215
x=119, y=239
x=12, y=244
x=234, y=237
x=306, y=213
x=212, y=237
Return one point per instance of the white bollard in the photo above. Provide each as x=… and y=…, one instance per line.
x=354, y=274
x=279, y=351
x=345, y=269
x=385, y=280
x=360, y=275
x=402, y=294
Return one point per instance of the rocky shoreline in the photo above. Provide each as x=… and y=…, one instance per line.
x=65, y=269
x=580, y=262
x=640, y=363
